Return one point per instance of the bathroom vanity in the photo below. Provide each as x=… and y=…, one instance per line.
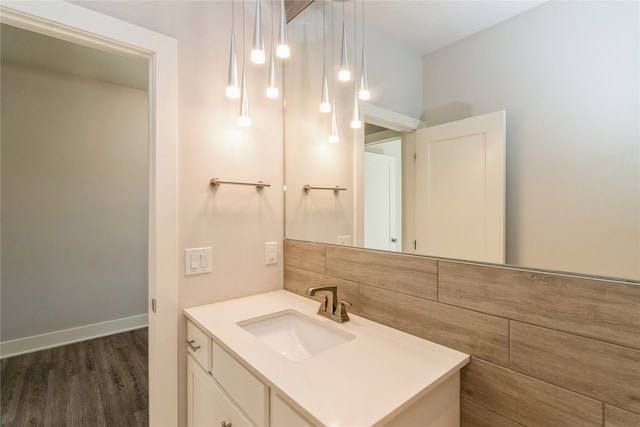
x=271, y=360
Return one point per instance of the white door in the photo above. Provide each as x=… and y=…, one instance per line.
x=379, y=201
x=460, y=189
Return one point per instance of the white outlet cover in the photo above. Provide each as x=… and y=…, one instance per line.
x=270, y=253
x=344, y=240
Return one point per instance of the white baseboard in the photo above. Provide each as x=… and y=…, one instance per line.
x=68, y=336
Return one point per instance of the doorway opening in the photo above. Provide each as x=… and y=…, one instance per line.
x=75, y=218
x=382, y=188
x=63, y=20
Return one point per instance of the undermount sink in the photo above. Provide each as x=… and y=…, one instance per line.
x=294, y=335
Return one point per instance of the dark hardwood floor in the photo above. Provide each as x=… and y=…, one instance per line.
x=100, y=382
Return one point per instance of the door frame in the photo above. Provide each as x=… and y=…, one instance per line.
x=401, y=123
x=79, y=25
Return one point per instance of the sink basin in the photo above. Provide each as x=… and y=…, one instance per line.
x=295, y=335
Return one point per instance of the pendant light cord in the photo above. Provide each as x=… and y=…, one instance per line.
x=324, y=38
x=355, y=44
x=333, y=86
x=243, y=49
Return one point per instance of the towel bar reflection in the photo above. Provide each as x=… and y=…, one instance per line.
x=337, y=188
x=215, y=182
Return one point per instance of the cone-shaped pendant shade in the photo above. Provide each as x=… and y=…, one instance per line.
x=272, y=89
x=243, y=118
x=233, y=90
x=257, y=51
x=344, y=74
x=333, y=138
x=364, y=93
x=283, y=50
x=356, y=123
x=325, y=107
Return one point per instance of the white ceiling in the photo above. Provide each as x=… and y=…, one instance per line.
x=422, y=25
x=426, y=25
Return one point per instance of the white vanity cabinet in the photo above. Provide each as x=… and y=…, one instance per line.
x=380, y=377
x=220, y=390
x=209, y=404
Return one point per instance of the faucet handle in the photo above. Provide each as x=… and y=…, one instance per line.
x=323, y=300
x=341, y=310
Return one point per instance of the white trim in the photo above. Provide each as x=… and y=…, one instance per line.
x=69, y=336
x=77, y=24
x=379, y=116
x=389, y=119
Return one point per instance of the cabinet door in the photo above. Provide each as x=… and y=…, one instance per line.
x=200, y=393
x=207, y=403
x=284, y=415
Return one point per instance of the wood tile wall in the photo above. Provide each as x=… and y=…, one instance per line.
x=547, y=349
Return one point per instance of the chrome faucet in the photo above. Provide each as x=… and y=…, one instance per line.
x=331, y=308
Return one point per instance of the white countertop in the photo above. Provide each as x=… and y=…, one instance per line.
x=362, y=382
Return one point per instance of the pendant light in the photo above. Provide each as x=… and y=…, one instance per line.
x=364, y=93
x=325, y=107
x=272, y=89
x=233, y=91
x=283, y=50
x=344, y=75
x=333, y=136
x=257, y=53
x=243, y=118
x=356, y=123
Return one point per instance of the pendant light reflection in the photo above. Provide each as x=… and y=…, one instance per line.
x=325, y=107
x=344, y=75
x=333, y=137
x=257, y=53
x=243, y=118
x=364, y=93
x=272, y=89
x=233, y=91
x=356, y=123
x=283, y=50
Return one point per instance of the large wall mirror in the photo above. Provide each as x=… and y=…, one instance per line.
x=564, y=78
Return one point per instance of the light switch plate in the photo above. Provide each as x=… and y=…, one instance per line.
x=270, y=253
x=198, y=261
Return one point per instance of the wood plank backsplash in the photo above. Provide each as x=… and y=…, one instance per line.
x=547, y=349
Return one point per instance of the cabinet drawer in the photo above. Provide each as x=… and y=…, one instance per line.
x=251, y=395
x=199, y=346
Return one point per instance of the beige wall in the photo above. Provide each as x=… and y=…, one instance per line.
x=547, y=350
x=74, y=202
x=234, y=220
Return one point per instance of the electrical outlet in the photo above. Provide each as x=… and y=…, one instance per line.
x=270, y=253
x=344, y=240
